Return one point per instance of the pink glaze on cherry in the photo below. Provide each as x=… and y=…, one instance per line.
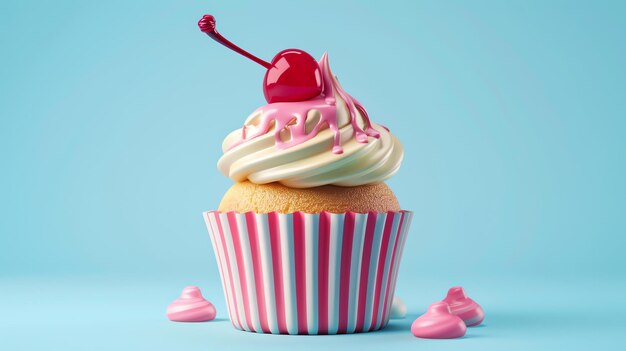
x=292, y=116
x=293, y=74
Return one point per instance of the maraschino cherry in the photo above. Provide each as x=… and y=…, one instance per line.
x=293, y=75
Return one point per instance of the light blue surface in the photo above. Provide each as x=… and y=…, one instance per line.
x=511, y=113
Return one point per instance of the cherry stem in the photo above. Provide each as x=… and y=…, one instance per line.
x=207, y=25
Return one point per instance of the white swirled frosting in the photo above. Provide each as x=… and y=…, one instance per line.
x=273, y=156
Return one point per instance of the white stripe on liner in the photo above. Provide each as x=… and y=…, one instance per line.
x=360, y=222
x=387, y=267
x=228, y=235
x=311, y=236
x=265, y=250
x=249, y=270
x=371, y=275
x=217, y=248
x=334, y=271
x=404, y=234
x=395, y=266
x=289, y=276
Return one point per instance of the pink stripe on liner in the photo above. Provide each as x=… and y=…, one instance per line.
x=278, y=272
x=391, y=268
x=218, y=223
x=380, y=268
x=365, y=263
x=257, y=268
x=344, y=281
x=299, y=245
x=322, y=272
x=234, y=229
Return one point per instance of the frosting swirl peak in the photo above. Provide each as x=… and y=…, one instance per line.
x=291, y=143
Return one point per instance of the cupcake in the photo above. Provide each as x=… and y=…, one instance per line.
x=309, y=238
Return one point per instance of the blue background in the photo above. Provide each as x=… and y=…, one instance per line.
x=511, y=113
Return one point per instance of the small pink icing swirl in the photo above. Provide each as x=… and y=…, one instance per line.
x=464, y=307
x=438, y=323
x=191, y=307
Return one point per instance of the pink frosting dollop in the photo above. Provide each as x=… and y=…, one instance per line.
x=438, y=323
x=279, y=116
x=464, y=307
x=191, y=307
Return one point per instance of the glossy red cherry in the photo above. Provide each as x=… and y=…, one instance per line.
x=293, y=75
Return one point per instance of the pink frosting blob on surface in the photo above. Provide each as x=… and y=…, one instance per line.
x=191, y=307
x=464, y=307
x=438, y=323
x=292, y=116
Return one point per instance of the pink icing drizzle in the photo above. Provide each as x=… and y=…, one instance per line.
x=292, y=116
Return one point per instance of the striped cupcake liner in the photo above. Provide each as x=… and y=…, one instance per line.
x=302, y=273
